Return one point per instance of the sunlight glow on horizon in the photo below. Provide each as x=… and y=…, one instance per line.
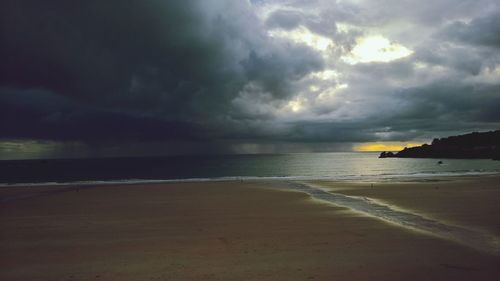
x=382, y=146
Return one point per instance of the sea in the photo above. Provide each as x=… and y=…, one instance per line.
x=351, y=166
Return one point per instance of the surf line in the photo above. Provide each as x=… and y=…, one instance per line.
x=475, y=239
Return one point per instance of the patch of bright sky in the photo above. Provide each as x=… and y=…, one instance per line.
x=305, y=101
x=295, y=105
x=325, y=75
x=344, y=27
x=314, y=88
x=315, y=93
x=304, y=36
x=420, y=65
x=376, y=49
x=330, y=93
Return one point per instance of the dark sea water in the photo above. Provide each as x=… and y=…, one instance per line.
x=336, y=166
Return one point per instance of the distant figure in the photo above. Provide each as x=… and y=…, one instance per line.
x=440, y=162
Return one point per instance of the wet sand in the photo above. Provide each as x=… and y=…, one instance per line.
x=240, y=231
x=470, y=201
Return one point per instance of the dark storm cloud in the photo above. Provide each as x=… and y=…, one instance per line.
x=169, y=60
x=85, y=49
x=270, y=70
x=213, y=72
x=330, y=132
x=44, y=115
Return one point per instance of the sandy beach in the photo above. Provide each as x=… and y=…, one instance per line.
x=252, y=230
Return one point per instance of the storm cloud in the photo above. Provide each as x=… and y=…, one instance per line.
x=265, y=72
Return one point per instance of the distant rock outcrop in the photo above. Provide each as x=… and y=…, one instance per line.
x=386, y=154
x=484, y=145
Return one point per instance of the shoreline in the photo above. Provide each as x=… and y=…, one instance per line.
x=360, y=179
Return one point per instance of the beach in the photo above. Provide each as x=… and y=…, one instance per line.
x=244, y=230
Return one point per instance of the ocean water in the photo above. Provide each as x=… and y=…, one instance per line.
x=335, y=166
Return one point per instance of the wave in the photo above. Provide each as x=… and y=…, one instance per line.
x=418, y=176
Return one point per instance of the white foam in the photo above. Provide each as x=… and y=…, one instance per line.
x=353, y=178
x=476, y=239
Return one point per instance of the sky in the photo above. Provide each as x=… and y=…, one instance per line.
x=152, y=77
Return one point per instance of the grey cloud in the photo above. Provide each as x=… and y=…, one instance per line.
x=448, y=107
x=457, y=58
x=284, y=19
x=483, y=31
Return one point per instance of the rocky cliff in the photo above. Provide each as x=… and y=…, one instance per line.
x=485, y=145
